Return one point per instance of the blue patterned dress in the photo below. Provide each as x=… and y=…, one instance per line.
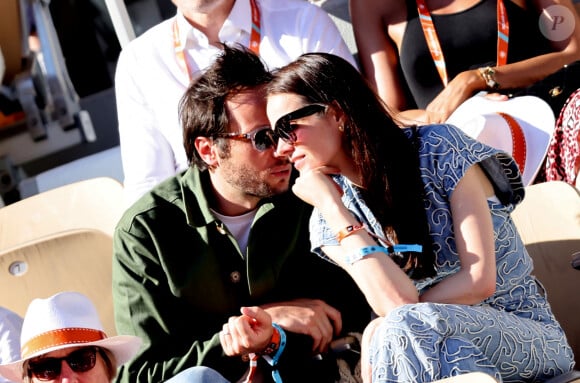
x=512, y=335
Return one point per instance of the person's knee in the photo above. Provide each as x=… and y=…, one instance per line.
x=415, y=318
x=414, y=311
x=369, y=331
x=199, y=374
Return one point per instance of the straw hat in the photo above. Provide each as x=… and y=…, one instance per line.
x=521, y=126
x=67, y=319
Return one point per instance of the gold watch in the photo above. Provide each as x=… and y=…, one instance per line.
x=488, y=75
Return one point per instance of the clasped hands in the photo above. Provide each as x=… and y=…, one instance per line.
x=252, y=331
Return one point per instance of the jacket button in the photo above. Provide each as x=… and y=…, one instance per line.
x=235, y=276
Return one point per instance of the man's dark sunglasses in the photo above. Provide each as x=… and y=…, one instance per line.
x=262, y=138
x=284, y=127
x=81, y=360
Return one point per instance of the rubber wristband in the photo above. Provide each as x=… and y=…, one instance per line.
x=405, y=248
x=349, y=230
x=274, y=344
x=395, y=249
x=276, y=376
x=273, y=360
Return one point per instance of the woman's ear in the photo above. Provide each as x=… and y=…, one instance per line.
x=207, y=150
x=337, y=113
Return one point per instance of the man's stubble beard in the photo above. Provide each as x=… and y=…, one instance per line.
x=249, y=181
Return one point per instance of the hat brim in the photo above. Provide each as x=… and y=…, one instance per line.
x=533, y=114
x=123, y=348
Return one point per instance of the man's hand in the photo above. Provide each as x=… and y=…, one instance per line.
x=248, y=333
x=310, y=317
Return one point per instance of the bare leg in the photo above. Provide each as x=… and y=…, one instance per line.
x=366, y=368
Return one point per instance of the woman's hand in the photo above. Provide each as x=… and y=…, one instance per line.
x=462, y=87
x=413, y=117
x=316, y=187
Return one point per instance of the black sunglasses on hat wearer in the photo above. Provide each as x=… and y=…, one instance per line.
x=262, y=138
x=284, y=127
x=49, y=368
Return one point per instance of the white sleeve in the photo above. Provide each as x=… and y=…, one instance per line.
x=322, y=34
x=10, y=328
x=146, y=154
x=292, y=28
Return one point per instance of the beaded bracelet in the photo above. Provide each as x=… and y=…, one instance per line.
x=351, y=229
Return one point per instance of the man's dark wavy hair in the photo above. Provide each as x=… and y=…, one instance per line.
x=202, y=109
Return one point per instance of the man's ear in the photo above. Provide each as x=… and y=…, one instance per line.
x=207, y=150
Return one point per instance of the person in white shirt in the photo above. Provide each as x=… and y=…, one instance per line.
x=10, y=328
x=154, y=70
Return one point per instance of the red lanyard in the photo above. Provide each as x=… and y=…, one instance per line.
x=254, y=39
x=256, y=28
x=503, y=31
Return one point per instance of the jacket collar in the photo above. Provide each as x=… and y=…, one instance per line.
x=196, y=185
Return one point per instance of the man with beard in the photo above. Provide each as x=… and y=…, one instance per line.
x=155, y=69
x=226, y=240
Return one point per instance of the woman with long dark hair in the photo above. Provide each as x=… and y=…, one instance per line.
x=420, y=218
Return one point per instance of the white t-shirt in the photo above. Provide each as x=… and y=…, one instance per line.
x=239, y=226
x=149, y=82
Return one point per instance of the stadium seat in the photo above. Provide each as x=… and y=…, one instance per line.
x=58, y=240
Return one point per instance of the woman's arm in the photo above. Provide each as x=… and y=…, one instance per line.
x=476, y=280
x=381, y=280
x=379, y=26
x=519, y=74
x=564, y=36
x=377, y=52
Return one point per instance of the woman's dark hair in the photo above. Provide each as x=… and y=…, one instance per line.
x=380, y=150
x=202, y=108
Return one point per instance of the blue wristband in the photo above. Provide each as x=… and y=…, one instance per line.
x=403, y=248
x=272, y=361
x=364, y=251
